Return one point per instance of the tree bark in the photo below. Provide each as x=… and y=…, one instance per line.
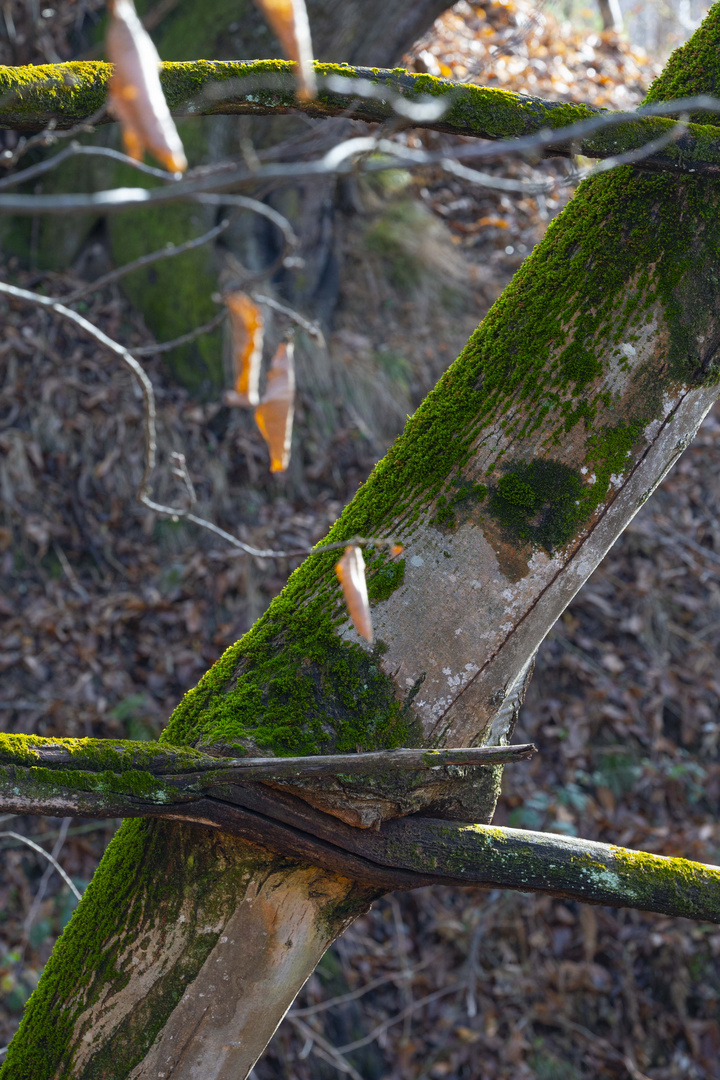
x=31, y=98
x=575, y=395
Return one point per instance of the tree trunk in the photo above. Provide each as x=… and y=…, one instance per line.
x=611, y=15
x=572, y=399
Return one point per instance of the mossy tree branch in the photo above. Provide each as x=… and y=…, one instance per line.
x=106, y=778
x=575, y=395
x=66, y=95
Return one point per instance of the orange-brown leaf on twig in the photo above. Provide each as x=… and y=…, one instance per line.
x=289, y=20
x=246, y=329
x=274, y=414
x=351, y=575
x=136, y=96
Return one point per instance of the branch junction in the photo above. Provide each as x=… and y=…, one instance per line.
x=109, y=778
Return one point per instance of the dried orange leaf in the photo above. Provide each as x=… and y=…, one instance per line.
x=289, y=20
x=351, y=575
x=274, y=414
x=136, y=96
x=246, y=328
x=395, y=550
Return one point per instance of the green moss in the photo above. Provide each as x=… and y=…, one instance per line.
x=115, y=755
x=692, y=69
x=173, y=295
x=68, y=92
x=71, y=92
x=540, y=502
x=292, y=685
x=127, y=896
x=384, y=576
x=460, y=500
x=657, y=883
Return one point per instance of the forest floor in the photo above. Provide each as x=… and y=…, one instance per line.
x=108, y=614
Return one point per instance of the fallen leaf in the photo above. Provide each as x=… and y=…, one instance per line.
x=274, y=414
x=136, y=96
x=395, y=550
x=247, y=329
x=351, y=575
x=289, y=20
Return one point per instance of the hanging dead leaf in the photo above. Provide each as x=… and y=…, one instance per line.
x=136, y=96
x=289, y=20
x=274, y=414
x=247, y=329
x=351, y=575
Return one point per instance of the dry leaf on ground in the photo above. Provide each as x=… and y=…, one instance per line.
x=247, y=329
x=274, y=414
x=289, y=20
x=351, y=575
x=136, y=96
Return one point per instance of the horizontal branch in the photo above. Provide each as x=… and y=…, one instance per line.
x=162, y=759
x=155, y=780
x=65, y=95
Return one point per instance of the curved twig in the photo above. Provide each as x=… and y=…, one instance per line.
x=50, y=858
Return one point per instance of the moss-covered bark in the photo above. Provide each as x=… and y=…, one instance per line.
x=571, y=399
x=599, y=362
x=31, y=97
x=143, y=942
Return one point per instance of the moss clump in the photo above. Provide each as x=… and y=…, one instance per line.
x=540, y=501
x=292, y=685
x=384, y=576
x=68, y=93
x=659, y=883
x=465, y=495
x=113, y=755
x=692, y=69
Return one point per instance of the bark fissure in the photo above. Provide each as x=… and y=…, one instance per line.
x=577, y=551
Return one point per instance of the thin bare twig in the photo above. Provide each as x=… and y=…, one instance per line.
x=312, y=328
x=76, y=150
x=330, y=1053
x=341, y=159
x=184, y=339
x=353, y=995
x=42, y=887
x=51, y=135
x=175, y=513
x=399, y=1017
x=243, y=202
x=50, y=858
